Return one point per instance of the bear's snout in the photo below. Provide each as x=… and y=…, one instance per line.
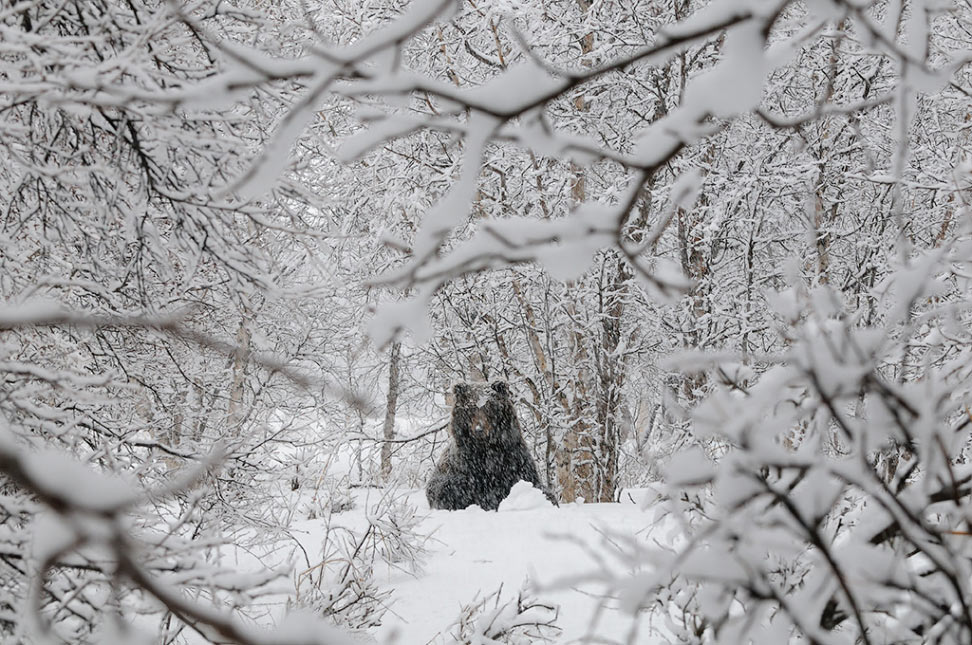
x=479, y=429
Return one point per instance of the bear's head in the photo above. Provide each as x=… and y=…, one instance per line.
x=502, y=415
x=483, y=415
x=469, y=422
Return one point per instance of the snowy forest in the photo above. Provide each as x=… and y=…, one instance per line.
x=273, y=272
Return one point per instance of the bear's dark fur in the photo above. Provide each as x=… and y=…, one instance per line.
x=487, y=455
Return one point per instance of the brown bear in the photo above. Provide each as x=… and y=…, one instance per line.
x=487, y=455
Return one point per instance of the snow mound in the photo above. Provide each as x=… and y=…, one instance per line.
x=524, y=497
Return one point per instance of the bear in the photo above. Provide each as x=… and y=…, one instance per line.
x=487, y=455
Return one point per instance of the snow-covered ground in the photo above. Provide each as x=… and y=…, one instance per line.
x=472, y=553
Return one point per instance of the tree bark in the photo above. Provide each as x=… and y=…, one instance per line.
x=241, y=356
x=388, y=430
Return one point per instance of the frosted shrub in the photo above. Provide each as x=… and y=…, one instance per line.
x=520, y=620
x=343, y=586
x=393, y=527
x=331, y=495
x=838, y=511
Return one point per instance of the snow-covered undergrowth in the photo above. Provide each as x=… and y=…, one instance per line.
x=481, y=570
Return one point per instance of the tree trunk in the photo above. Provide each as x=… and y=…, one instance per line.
x=388, y=430
x=241, y=356
x=611, y=372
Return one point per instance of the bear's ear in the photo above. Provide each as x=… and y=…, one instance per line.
x=461, y=392
x=501, y=389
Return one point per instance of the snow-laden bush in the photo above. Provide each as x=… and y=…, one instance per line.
x=837, y=511
x=343, y=585
x=328, y=496
x=495, y=619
